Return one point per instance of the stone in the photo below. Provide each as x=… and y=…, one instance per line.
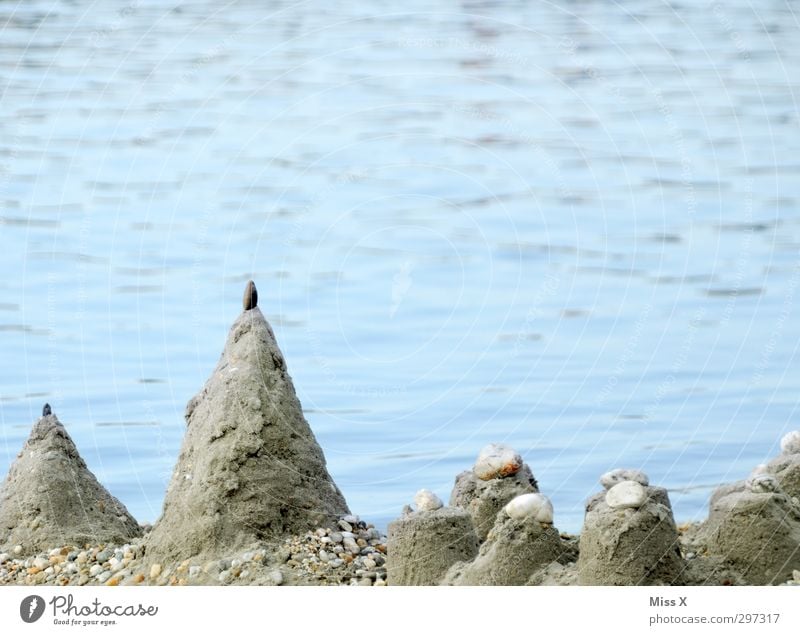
x=535, y=506
x=629, y=546
x=250, y=469
x=423, y=546
x=426, y=501
x=610, y=479
x=276, y=577
x=790, y=443
x=497, y=460
x=96, y=570
x=155, y=571
x=17, y=550
x=484, y=499
x=82, y=512
x=756, y=533
x=626, y=494
x=515, y=549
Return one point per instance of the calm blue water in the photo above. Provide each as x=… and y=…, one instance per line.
x=573, y=227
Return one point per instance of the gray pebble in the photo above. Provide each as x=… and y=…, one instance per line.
x=337, y=537
x=336, y=563
x=103, y=556
x=343, y=524
x=276, y=577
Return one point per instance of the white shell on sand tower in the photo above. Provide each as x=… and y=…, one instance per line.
x=497, y=460
x=536, y=506
x=790, y=443
x=626, y=494
x=426, y=501
x=609, y=479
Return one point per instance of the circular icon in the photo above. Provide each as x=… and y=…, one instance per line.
x=31, y=608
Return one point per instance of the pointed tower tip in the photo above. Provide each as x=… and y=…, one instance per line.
x=250, y=296
x=47, y=411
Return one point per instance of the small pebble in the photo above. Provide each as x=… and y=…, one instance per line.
x=627, y=494
x=276, y=577
x=426, y=501
x=609, y=479
x=18, y=550
x=790, y=443
x=497, y=460
x=155, y=571
x=536, y=506
x=95, y=570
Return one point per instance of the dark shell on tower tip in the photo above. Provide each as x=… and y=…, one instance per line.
x=46, y=411
x=250, y=296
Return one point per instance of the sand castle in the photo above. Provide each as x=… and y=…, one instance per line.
x=251, y=501
x=51, y=498
x=250, y=467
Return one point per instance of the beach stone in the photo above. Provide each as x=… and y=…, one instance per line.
x=422, y=546
x=155, y=571
x=756, y=533
x=612, y=478
x=95, y=570
x=484, y=499
x=497, y=460
x=82, y=511
x=629, y=546
x=426, y=501
x=276, y=577
x=790, y=443
x=626, y=494
x=514, y=550
x=250, y=468
x=536, y=506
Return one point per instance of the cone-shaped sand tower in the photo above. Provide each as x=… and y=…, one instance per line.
x=51, y=499
x=250, y=468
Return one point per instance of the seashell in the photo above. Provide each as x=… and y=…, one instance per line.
x=626, y=494
x=497, y=460
x=790, y=443
x=250, y=300
x=536, y=506
x=426, y=501
x=763, y=484
x=609, y=479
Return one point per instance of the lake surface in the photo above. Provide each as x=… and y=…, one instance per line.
x=573, y=227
